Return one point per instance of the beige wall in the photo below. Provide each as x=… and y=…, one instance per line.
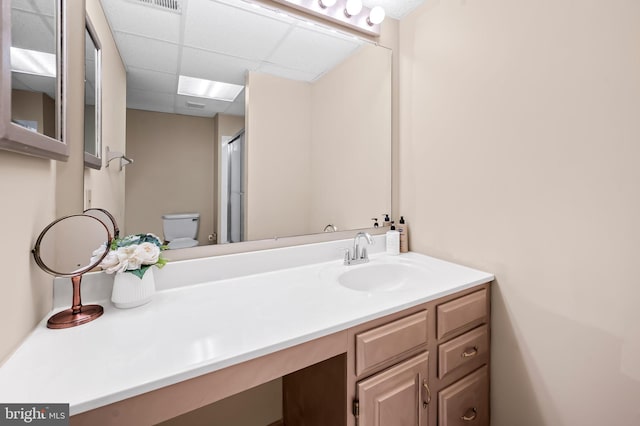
x=34, y=106
x=519, y=156
x=36, y=192
x=278, y=154
x=173, y=170
x=350, y=145
x=105, y=188
x=320, y=157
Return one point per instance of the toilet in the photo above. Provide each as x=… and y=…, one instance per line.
x=181, y=229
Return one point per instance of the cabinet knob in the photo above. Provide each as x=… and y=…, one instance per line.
x=469, y=417
x=469, y=352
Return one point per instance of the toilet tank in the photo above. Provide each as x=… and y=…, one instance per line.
x=180, y=225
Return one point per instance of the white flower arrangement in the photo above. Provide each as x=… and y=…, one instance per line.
x=133, y=253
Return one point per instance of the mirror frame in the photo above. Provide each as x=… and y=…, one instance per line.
x=91, y=160
x=12, y=136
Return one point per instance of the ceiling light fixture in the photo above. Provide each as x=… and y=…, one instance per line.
x=326, y=3
x=348, y=13
x=376, y=16
x=33, y=62
x=198, y=87
x=352, y=8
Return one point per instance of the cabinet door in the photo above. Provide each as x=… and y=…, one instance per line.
x=398, y=396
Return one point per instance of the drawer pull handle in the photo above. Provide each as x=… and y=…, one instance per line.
x=470, y=418
x=469, y=352
x=428, y=399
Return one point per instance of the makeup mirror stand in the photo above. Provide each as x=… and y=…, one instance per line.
x=77, y=314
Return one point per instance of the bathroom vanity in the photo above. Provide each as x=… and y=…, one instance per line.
x=399, y=340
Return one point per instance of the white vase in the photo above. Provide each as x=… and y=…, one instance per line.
x=130, y=291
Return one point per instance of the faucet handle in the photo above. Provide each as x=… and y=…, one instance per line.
x=347, y=258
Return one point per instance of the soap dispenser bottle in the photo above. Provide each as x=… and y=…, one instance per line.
x=393, y=241
x=403, y=229
x=386, y=221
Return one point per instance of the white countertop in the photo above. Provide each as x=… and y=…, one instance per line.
x=195, y=329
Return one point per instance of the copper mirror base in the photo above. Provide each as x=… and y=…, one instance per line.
x=67, y=318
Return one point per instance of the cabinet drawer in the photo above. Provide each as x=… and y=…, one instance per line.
x=464, y=350
x=466, y=402
x=375, y=347
x=462, y=314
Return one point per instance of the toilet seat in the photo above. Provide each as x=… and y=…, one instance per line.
x=179, y=243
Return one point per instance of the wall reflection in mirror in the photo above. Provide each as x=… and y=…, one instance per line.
x=34, y=65
x=313, y=106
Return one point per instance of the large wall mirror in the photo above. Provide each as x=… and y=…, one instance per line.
x=92, y=98
x=257, y=121
x=31, y=105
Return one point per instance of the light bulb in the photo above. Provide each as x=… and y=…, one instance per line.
x=376, y=16
x=353, y=7
x=326, y=3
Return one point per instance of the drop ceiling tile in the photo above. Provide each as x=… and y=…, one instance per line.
x=237, y=107
x=148, y=54
x=140, y=79
x=41, y=7
x=34, y=83
x=233, y=31
x=215, y=66
x=139, y=19
x=150, y=101
x=196, y=112
x=273, y=69
x=315, y=52
x=33, y=32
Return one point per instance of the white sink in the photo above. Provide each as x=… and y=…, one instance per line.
x=380, y=275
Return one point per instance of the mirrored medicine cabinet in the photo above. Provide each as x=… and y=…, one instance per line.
x=32, y=78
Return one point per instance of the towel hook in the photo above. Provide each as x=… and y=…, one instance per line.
x=112, y=155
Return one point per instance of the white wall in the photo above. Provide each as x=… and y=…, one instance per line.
x=519, y=155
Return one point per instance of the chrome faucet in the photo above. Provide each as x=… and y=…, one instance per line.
x=359, y=254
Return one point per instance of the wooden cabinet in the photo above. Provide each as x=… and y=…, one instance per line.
x=398, y=396
x=421, y=370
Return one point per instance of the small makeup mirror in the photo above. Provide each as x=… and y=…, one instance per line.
x=105, y=217
x=65, y=249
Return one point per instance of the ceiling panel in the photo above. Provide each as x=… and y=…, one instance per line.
x=33, y=32
x=230, y=30
x=139, y=79
x=125, y=16
x=34, y=83
x=237, y=107
x=311, y=51
x=141, y=52
x=267, y=68
x=42, y=7
x=215, y=66
x=220, y=40
x=150, y=101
